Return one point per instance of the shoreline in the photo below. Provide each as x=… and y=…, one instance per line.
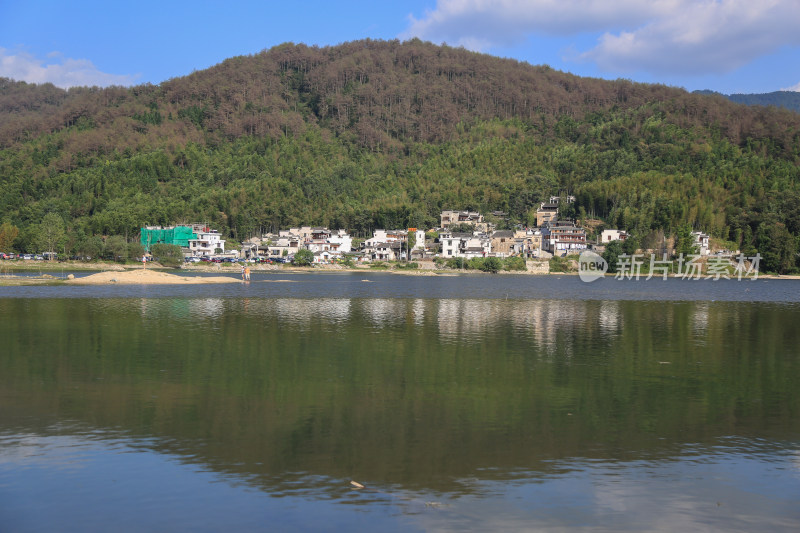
x=113, y=273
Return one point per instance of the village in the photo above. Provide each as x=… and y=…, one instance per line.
x=462, y=234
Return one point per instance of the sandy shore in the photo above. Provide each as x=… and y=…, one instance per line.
x=146, y=277
x=133, y=274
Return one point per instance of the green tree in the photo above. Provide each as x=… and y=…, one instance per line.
x=514, y=263
x=777, y=248
x=91, y=247
x=303, y=257
x=491, y=264
x=747, y=246
x=116, y=248
x=630, y=245
x=169, y=255
x=456, y=263
x=559, y=264
x=684, y=241
x=611, y=255
x=8, y=234
x=476, y=263
x=51, y=233
x=135, y=250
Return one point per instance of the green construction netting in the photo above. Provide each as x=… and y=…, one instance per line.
x=179, y=235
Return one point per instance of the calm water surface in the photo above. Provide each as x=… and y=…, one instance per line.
x=467, y=402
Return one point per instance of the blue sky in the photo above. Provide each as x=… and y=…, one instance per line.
x=730, y=46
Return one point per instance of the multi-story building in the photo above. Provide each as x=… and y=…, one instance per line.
x=531, y=241
x=563, y=236
x=206, y=243
x=384, y=251
x=386, y=235
x=459, y=217
x=503, y=243
x=701, y=240
x=194, y=239
x=546, y=213
x=285, y=245
x=341, y=242
x=316, y=239
x=466, y=245
x=419, y=239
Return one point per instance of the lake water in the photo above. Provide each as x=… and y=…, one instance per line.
x=460, y=403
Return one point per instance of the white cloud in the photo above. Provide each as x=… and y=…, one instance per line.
x=795, y=88
x=481, y=24
x=56, y=69
x=702, y=37
x=663, y=36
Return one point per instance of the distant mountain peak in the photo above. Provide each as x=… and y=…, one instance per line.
x=786, y=99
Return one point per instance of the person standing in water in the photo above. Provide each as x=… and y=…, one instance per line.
x=247, y=273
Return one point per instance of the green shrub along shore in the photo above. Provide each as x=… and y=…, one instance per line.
x=483, y=264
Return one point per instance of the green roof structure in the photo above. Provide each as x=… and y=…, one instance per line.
x=178, y=235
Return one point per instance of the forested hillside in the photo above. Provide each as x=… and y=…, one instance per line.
x=386, y=134
x=787, y=99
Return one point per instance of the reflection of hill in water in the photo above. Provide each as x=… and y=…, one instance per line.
x=412, y=392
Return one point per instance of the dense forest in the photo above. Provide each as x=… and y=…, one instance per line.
x=787, y=99
x=386, y=134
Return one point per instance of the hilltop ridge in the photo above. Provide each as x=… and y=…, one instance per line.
x=376, y=91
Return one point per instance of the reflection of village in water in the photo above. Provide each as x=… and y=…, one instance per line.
x=459, y=400
x=544, y=323
x=454, y=318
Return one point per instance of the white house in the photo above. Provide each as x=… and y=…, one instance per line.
x=383, y=235
x=451, y=243
x=206, y=243
x=341, y=241
x=384, y=251
x=419, y=239
x=701, y=240
x=323, y=257
x=317, y=239
x=476, y=246
x=608, y=235
x=465, y=245
x=285, y=245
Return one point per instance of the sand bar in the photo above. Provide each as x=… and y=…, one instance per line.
x=147, y=277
